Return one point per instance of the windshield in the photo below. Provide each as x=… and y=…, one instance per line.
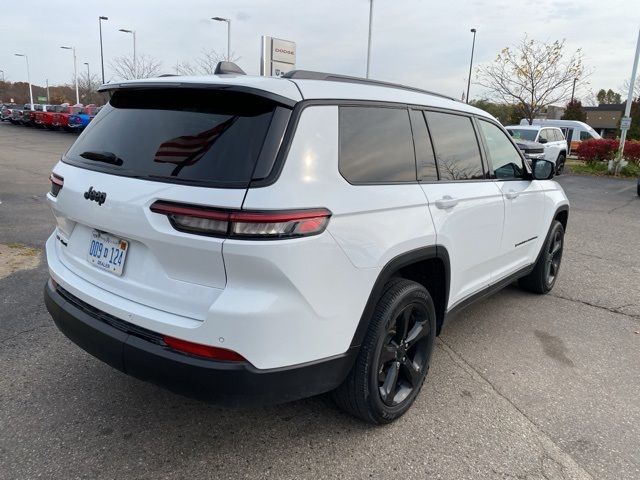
x=194, y=136
x=523, y=134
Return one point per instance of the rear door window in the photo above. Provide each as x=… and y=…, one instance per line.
x=376, y=145
x=456, y=146
x=203, y=137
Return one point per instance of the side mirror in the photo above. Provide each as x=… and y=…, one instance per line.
x=542, y=169
x=543, y=140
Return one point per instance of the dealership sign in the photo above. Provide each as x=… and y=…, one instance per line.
x=277, y=56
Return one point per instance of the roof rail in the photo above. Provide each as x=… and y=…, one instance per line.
x=332, y=77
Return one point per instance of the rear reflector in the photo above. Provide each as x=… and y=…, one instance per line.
x=57, y=182
x=205, y=351
x=244, y=224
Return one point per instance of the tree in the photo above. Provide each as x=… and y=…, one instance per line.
x=608, y=97
x=533, y=75
x=144, y=67
x=636, y=87
x=574, y=111
x=205, y=64
x=507, y=114
x=634, y=131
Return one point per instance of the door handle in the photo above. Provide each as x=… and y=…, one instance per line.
x=511, y=194
x=446, y=202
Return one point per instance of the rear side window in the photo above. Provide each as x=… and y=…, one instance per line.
x=376, y=145
x=456, y=146
x=425, y=159
x=194, y=136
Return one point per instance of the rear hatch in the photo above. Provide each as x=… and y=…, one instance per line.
x=195, y=146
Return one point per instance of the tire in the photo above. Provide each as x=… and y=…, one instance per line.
x=560, y=164
x=393, y=360
x=545, y=272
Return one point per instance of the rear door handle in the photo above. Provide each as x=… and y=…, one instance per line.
x=446, y=202
x=511, y=194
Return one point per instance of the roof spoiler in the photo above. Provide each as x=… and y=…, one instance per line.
x=228, y=68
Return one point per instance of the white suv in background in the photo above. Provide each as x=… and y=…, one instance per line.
x=258, y=240
x=555, y=145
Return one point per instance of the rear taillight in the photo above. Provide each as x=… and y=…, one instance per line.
x=261, y=225
x=57, y=182
x=205, y=351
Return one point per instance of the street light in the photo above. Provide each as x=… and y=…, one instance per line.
x=75, y=70
x=135, y=65
x=228, y=20
x=101, y=54
x=473, y=46
x=369, y=39
x=28, y=76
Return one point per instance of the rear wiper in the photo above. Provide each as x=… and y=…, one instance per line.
x=106, y=157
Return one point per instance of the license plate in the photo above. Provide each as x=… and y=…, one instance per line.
x=107, y=252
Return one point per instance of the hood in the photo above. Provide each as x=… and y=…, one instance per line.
x=527, y=144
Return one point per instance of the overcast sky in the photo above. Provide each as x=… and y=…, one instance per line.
x=425, y=43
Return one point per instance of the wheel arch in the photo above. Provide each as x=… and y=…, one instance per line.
x=562, y=215
x=428, y=266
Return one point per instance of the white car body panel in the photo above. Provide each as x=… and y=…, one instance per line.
x=280, y=303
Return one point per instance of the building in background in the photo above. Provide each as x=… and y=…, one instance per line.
x=605, y=118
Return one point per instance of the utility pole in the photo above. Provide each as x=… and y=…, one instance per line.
x=47, y=90
x=228, y=20
x=369, y=39
x=473, y=46
x=100, y=18
x=625, y=123
x=573, y=90
x=28, y=76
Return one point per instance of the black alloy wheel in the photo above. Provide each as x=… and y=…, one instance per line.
x=554, y=256
x=545, y=272
x=403, y=357
x=394, y=355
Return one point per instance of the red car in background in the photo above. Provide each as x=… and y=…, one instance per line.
x=61, y=119
x=40, y=116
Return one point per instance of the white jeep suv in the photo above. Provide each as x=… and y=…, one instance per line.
x=551, y=138
x=258, y=240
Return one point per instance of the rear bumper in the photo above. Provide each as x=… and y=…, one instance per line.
x=142, y=354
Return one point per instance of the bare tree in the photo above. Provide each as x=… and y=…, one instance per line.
x=533, y=75
x=145, y=66
x=205, y=64
x=636, y=88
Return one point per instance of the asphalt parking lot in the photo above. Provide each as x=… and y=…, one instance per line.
x=521, y=386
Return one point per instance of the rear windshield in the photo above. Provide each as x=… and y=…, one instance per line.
x=194, y=136
x=523, y=134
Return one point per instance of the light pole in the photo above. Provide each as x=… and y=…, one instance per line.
x=2, y=72
x=100, y=18
x=135, y=65
x=28, y=76
x=473, y=46
x=75, y=70
x=627, y=110
x=369, y=37
x=228, y=20
x=573, y=90
x=88, y=81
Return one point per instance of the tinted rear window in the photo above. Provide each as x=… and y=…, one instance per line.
x=456, y=146
x=194, y=136
x=376, y=145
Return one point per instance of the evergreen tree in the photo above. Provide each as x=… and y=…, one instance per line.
x=574, y=111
